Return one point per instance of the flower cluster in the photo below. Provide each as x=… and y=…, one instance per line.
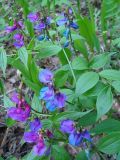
x=67, y=20
x=48, y=93
x=22, y=110
x=75, y=137
x=40, y=24
x=18, y=37
x=34, y=136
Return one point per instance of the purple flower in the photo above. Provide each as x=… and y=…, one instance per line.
x=35, y=125
x=10, y=29
x=18, y=114
x=18, y=44
x=62, y=21
x=67, y=126
x=60, y=99
x=45, y=76
x=46, y=93
x=40, y=148
x=31, y=137
x=18, y=37
x=33, y=17
x=15, y=97
x=74, y=25
x=40, y=26
x=86, y=135
x=50, y=105
x=75, y=139
x=16, y=25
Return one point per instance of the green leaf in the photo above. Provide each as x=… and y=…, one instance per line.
x=79, y=63
x=60, y=78
x=36, y=104
x=59, y=153
x=31, y=156
x=2, y=89
x=62, y=56
x=23, y=55
x=81, y=156
x=80, y=46
x=99, y=61
x=10, y=122
x=35, y=87
x=104, y=102
x=88, y=119
x=95, y=90
x=86, y=81
x=3, y=60
x=70, y=114
x=110, y=144
x=20, y=66
x=106, y=126
x=87, y=30
x=116, y=85
x=46, y=50
x=7, y=102
x=110, y=74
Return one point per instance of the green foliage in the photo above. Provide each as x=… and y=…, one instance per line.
x=104, y=102
x=3, y=60
x=85, y=82
x=110, y=144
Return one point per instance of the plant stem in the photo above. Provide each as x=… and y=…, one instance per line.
x=41, y=114
x=70, y=65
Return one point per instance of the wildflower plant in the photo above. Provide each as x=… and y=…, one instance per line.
x=65, y=105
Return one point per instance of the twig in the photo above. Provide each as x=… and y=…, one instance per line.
x=5, y=137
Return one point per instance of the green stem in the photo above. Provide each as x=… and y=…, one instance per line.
x=41, y=114
x=70, y=65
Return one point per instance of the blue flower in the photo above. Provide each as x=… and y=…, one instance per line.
x=61, y=22
x=66, y=33
x=46, y=93
x=41, y=37
x=50, y=105
x=75, y=139
x=74, y=25
x=86, y=135
x=66, y=44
